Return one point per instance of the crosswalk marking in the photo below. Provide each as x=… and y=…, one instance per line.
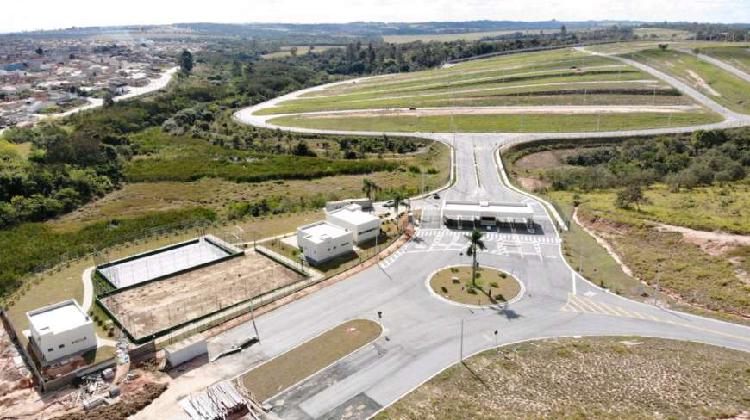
x=578, y=303
x=489, y=236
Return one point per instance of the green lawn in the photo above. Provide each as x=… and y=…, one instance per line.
x=501, y=123
x=719, y=85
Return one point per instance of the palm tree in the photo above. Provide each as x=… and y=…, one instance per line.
x=368, y=187
x=476, y=244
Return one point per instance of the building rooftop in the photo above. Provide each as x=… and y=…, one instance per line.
x=499, y=209
x=353, y=214
x=321, y=231
x=63, y=316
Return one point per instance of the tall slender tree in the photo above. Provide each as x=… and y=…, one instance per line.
x=186, y=61
x=475, y=244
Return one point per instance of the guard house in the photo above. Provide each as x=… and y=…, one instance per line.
x=60, y=330
x=322, y=241
x=364, y=226
x=485, y=213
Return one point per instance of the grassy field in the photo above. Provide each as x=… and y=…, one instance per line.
x=280, y=373
x=467, y=36
x=286, y=51
x=719, y=85
x=494, y=286
x=715, y=208
x=547, y=78
x=602, y=378
x=502, y=123
x=138, y=198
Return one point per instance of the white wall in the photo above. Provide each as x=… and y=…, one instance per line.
x=332, y=247
x=361, y=233
x=73, y=341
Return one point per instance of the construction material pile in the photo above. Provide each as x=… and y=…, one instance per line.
x=219, y=402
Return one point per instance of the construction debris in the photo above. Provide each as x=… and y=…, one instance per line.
x=218, y=402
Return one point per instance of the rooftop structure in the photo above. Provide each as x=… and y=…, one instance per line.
x=323, y=240
x=486, y=212
x=61, y=330
x=364, y=226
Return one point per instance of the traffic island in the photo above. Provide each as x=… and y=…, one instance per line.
x=491, y=286
x=303, y=361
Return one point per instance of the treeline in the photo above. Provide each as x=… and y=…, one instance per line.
x=709, y=31
x=358, y=58
x=682, y=161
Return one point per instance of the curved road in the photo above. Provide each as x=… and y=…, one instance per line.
x=422, y=333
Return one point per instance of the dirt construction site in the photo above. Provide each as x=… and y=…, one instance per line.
x=159, y=305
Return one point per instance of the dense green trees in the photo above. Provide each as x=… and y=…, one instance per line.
x=683, y=161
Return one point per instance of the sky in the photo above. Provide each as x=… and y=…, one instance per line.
x=18, y=15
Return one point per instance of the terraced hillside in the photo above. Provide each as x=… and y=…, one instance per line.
x=560, y=90
x=720, y=85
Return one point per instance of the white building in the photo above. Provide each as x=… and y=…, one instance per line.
x=322, y=241
x=60, y=330
x=486, y=213
x=364, y=226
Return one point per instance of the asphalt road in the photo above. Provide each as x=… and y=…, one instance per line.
x=423, y=334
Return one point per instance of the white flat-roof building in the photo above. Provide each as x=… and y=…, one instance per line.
x=364, y=226
x=60, y=330
x=486, y=213
x=322, y=241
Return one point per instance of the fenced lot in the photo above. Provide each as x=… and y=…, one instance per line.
x=166, y=261
x=176, y=300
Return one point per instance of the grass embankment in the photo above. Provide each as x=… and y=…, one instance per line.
x=603, y=378
x=738, y=56
x=554, y=87
x=550, y=123
x=693, y=275
x=719, y=85
x=492, y=286
x=280, y=373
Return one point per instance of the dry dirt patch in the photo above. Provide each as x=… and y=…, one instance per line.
x=702, y=83
x=597, y=378
x=162, y=304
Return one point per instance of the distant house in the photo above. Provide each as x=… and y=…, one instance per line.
x=60, y=330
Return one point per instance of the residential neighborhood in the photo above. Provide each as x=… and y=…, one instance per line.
x=43, y=77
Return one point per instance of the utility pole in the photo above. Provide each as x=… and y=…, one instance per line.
x=252, y=315
x=461, y=359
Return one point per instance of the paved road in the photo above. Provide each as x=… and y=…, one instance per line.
x=422, y=332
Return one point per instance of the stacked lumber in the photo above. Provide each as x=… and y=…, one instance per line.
x=218, y=402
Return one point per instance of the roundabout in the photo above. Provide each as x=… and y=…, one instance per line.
x=491, y=287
